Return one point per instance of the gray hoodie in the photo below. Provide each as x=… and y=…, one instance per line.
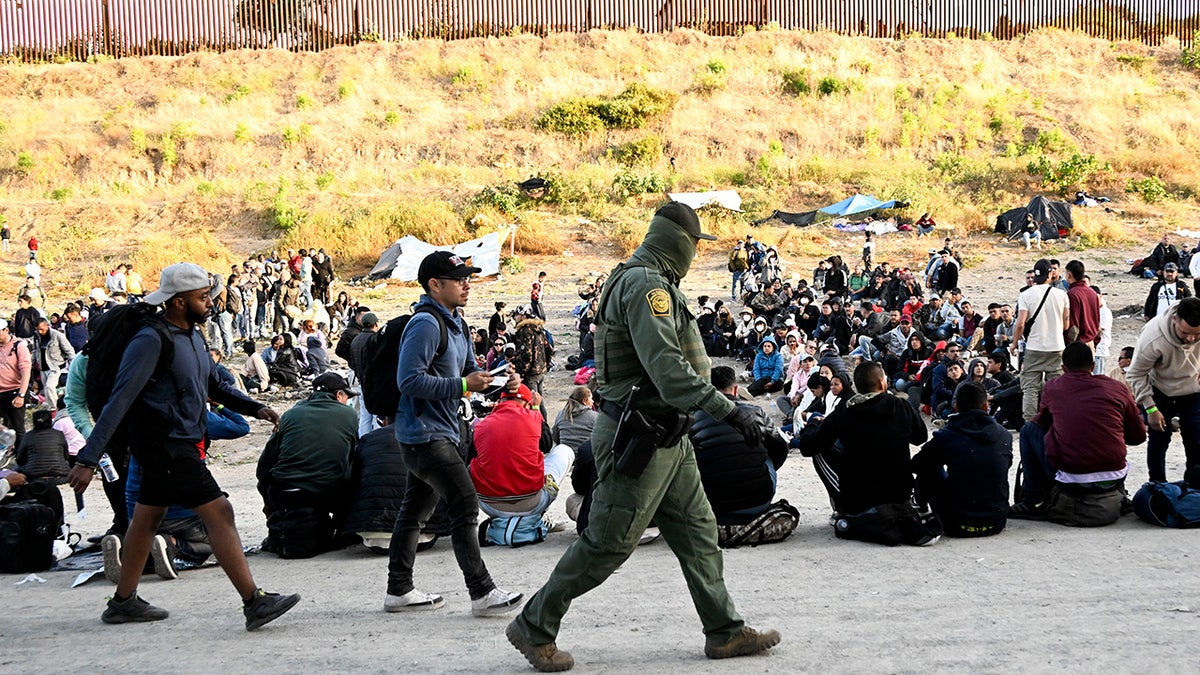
x=1162, y=361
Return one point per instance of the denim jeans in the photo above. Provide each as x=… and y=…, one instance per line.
x=435, y=469
x=1037, y=476
x=733, y=289
x=557, y=464
x=1187, y=409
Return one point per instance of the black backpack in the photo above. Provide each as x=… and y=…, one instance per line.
x=381, y=358
x=27, y=533
x=110, y=335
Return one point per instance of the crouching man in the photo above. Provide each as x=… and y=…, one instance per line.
x=306, y=466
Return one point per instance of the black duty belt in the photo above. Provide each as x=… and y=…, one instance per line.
x=611, y=408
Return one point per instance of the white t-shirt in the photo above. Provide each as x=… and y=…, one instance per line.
x=1168, y=294
x=1047, y=334
x=1104, y=346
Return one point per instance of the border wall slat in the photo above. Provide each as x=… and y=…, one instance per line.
x=35, y=30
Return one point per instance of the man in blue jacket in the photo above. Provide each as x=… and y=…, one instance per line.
x=431, y=385
x=166, y=440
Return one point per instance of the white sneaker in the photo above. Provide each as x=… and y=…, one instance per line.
x=553, y=526
x=412, y=601
x=162, y=559
x=496, y=603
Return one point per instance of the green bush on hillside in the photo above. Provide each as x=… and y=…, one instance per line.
x=1190, y=57
x=628, y=184
x=642, y=152
x=795, y=82
x=24, y=162
x=830, y=85
x=504, y=198
x=631, y=109
x=1151, y=189
x=1070, y=172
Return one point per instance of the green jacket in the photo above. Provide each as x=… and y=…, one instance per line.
x=647, y=337
x=314, y=445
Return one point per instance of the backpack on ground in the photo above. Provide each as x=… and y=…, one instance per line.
x=381, y=358
x=774, y=524
x=299, y=533
x=27, y=533
x=891, y=525
x=1079, y=505
x=514, y=532
x=1168, y=505
x=111, y=333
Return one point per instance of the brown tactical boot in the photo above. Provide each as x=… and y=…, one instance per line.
x=547, y=658
x=747, y=641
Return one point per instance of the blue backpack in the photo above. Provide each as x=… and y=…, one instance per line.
x=515, y=531
x=1168, y=505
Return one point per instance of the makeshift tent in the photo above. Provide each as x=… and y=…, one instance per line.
x=1054, y=217
x=850, y=206
x=401, y=259
x=860, y=204
x=726, y=198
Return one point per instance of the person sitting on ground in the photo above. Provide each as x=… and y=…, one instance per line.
x=573, y=426
x=739, y=480
x=379, y=476
x=1073, y=451
x=255, y=374
x=799, y=385
x=1164, y=293
x=285, y=367
x=943, y=391
x=1118, y=371
x=768, y=369
x=516, y=471
x=43, y=455
x=962, y=472
x=317, y=357
x=1005, y=400
x=912, y=361
x=307, y=463
x=861, y=451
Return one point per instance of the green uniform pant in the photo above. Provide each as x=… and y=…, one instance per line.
x=669, y=491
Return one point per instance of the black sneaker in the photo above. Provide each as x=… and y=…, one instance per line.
x=1027, y=512
x=264, y=607
x=133, y=610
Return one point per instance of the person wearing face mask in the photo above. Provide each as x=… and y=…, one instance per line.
x=307, y=463
x=650, y=359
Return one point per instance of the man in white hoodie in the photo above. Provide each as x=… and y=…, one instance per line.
x=1165, y=378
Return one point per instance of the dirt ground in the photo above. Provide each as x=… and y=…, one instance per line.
x=1037, y=598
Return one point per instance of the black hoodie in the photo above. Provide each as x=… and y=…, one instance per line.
x=976, y=453
x=875, y=431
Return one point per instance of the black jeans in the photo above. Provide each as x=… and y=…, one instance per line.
x=13, y=417
x=436, y=469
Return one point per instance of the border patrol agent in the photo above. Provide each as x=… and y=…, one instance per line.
x=648, y=348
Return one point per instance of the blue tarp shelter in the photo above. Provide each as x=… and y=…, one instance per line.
x=857, y=204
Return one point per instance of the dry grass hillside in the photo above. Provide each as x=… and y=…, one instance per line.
x=212, y=156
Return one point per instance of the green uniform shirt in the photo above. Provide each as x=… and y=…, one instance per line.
x=647, y=337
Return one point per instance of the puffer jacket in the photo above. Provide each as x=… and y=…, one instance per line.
x=379, y=478
x=735, y=477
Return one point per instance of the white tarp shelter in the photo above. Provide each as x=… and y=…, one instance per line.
x=401, y=259
x=726, y=198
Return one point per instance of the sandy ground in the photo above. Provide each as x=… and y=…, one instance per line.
x=1038, y=597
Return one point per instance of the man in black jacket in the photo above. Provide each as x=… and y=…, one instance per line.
x=948, y=273
x=861, y=450
x=1165, y=293
x=962, y=472
x=739, y=480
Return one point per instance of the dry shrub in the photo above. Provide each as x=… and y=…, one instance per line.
x=1098, y=229
x=539, y=233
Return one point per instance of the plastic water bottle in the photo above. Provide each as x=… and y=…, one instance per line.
x=107, y=468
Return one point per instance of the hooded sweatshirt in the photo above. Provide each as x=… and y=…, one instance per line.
x=768, y=365
x=975, y=453
x=1162, y=361
x=645, y=330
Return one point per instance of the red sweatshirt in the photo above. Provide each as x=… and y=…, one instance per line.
x=510, y=462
